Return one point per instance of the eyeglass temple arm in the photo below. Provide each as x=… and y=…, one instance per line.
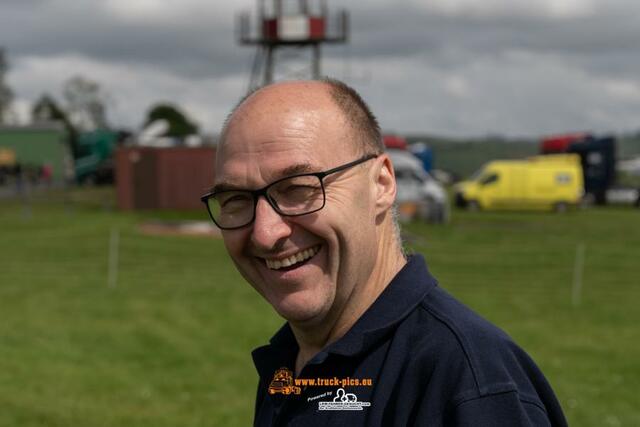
x=347, y=166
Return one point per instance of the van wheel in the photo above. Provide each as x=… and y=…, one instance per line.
x=473, y=206
x=560, y=207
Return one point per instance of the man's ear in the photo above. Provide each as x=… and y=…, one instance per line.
x=385, y=182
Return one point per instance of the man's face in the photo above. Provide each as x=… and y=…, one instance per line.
x=278, y=134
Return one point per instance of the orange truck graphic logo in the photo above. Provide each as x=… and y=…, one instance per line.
x=282, y=382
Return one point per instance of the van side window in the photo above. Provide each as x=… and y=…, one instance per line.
x=486, y=180
x=563, y=178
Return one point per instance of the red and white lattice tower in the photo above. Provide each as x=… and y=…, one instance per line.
x=289, y=25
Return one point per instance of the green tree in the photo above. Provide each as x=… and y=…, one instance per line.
x=85, y=103
x=46, y=109
x=6, y=94
x=179, y=125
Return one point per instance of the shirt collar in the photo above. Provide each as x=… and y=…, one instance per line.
x=280, y=352
x=405, y=291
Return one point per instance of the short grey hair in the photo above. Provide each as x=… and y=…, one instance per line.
x=358, y=114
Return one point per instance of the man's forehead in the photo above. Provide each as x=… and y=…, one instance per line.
x=291, y=103
x=274, y=150
x=256, y=171
x=284, y=160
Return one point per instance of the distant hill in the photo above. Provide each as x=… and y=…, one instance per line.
x=628, y=146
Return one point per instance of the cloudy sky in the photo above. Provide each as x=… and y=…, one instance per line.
x=449, y=67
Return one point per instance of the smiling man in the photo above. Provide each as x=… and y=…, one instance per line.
x=304, y=197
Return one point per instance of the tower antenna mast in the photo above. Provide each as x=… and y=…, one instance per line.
x=289, y=25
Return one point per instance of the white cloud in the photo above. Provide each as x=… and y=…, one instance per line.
x=561, y=9
x=167, y=12
x=517, y=94
x=570, y=8
x=622, y=89
x=132, y=88
x=457, y=67
x=457, y=86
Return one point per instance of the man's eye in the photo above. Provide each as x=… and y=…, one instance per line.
x=234, y=201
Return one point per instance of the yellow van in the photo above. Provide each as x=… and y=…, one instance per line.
x=552, y=182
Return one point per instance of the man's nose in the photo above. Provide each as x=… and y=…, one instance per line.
x=269, y=226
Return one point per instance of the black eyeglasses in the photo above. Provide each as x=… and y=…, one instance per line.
x=291, y=196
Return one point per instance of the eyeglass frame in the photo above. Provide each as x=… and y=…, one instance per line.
x=263, y=192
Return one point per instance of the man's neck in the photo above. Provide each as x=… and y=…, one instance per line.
x=312, y=340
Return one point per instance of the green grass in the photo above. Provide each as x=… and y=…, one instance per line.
x=170, y=345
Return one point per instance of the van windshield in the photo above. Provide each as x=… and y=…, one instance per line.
x=477, y=174
x=488, y=179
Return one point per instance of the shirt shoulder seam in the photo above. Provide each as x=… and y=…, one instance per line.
x=521, y=398
x=425, y=306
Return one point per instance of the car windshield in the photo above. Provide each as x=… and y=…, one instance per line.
x=407, y=174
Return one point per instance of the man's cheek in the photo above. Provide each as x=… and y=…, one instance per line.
x=234, y=242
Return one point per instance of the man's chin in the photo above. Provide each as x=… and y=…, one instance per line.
x=300, y=313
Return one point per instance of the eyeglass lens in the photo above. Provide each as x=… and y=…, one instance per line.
x=292, y=196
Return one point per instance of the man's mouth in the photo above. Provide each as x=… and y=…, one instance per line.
x=293, y=260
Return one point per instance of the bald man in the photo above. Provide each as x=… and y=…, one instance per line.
x=303, y=194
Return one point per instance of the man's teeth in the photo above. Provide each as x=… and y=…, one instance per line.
x=276, y=264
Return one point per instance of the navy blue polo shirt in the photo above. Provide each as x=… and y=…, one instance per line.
x=416, y=357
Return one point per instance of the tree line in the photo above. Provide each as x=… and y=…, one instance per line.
x=84, y=108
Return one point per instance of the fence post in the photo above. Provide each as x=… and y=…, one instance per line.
x=25, y=194
x=112, y=274
x=578, y=273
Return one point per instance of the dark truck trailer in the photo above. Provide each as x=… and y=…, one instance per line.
x=597, y=156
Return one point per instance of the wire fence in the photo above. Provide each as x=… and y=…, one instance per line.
x=80, y=235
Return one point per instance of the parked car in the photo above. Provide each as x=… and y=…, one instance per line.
x=419, y=195
x=552, y=182
x=624, y=196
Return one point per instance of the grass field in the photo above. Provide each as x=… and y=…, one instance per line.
x=170, y=344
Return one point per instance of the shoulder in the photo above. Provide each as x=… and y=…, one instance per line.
x=474, y=362
x=490, y=354
x=479, y=341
